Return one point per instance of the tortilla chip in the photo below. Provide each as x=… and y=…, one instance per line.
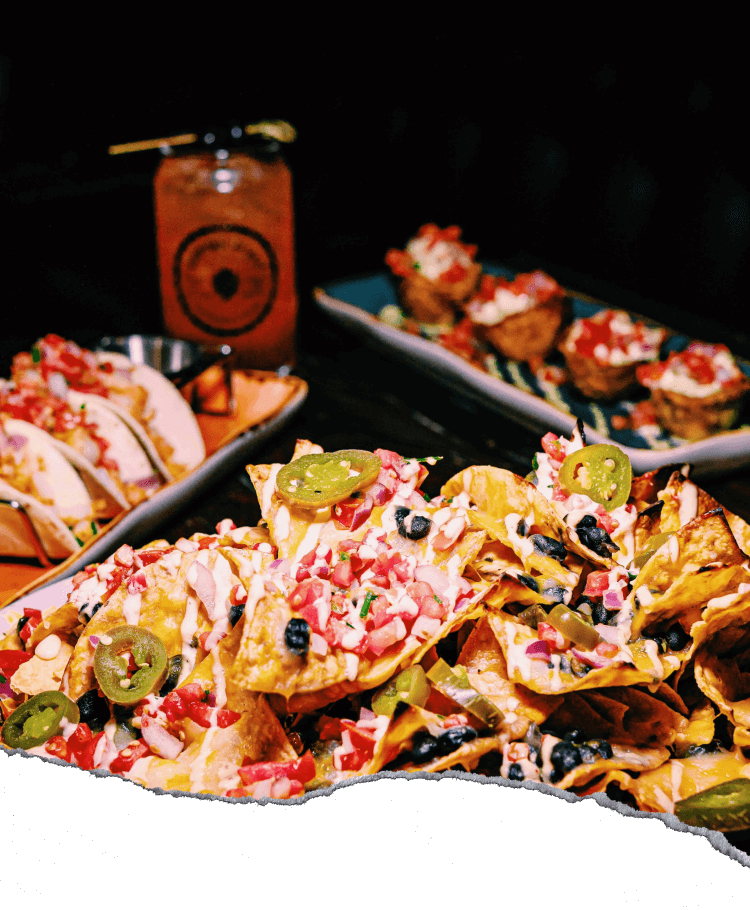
x=62, y=621
x=722, y=656
x=623, y=715
x=674, y=583
x=488, y=673
x=684, y=500
x=553, y=677
x=37, y=675
x=624, y=758
x=162, y=609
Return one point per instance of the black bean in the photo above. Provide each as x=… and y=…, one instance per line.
x=555, y=593
x=597, y=540
x=173, y=675
x=602, y=747
x=453, y=738
x=529, y=582
x=564, y=757
x=588, y=755
x=515, y=772
x=705, y=749
x=416, y=529
x=521, y=528
x=21, y=623
x=724, y=731
x=297, y=636
x=235, y=613
x=423, y=747
x=588, y=521
x=548, y=546
x=94, y=710
x=574, y=736
x=600, y=614
x=677, y=638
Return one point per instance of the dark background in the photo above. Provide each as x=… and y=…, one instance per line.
x=621, y=170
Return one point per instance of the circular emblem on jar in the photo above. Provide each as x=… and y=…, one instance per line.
x=226, y=277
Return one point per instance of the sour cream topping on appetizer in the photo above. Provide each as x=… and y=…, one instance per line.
x=499, y=298
x=697, y=372
x=612, y=337
x=436, y=253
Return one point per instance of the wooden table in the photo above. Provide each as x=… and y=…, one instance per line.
x=441, y=831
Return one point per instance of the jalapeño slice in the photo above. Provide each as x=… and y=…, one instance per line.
x=652, y=545
x=409, y=686
x=38, y=720
x=601, y=472
x=111, y=670
x=573, y=626
x=318, y=481
x=453, y=682
x=725, y=807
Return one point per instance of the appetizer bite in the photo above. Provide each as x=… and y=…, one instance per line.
x=437, y=271
x=696, y=392
x=603, y=352
x=521, y=318
x=583, y=629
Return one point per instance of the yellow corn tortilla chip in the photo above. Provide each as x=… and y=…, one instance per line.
x=619, y=714
x=37, y=675
x=537, y=675
x=499, y=496
x=674, y=583
x=624, y=758
x=161, y=610
x=722, y=656
x=265, y=664
x=684, y=501
x=62, y=621
x=488, y=673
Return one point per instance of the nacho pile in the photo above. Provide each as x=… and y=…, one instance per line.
x=580, y=628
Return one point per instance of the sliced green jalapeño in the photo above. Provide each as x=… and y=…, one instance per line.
x=111, y=668
x=725, y=807
x=601, y=472
x=410, y=686
x=38, y=720
x=453, y=682
x=318, y=481
x=652, y=545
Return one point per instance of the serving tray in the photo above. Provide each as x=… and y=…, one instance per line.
x=512, y=389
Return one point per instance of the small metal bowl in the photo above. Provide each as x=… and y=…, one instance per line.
x=178, y=360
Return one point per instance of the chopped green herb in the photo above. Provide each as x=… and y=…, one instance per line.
x=430, y=459
x=78, y=541
x=94, y=528
x=350, y=625
x=535, y=461
x=366, y=605
x=3, y=680
x=356, y=495
x=344, y=557
x=36, y=354
x=426, y=497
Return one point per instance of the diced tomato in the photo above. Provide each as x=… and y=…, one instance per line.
x=457, y=272
x=343, y=573
x=553, y=447
x=124, y=556
x=35, y=617
x=306, y=593
x=329, y=728
x=555, y=639
x=205, y=542
x=58, y=747
x=596, y=584
x=362, y=740
x=147, y=557
x=237, y=793
x=114, y=581
x=352, y=513
x=430, y=605
x=384, y=637
x=301, y=770
x=128, y=756
x=399, y=262
x=387, y=458
x=605, y=520
x=10, y=661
